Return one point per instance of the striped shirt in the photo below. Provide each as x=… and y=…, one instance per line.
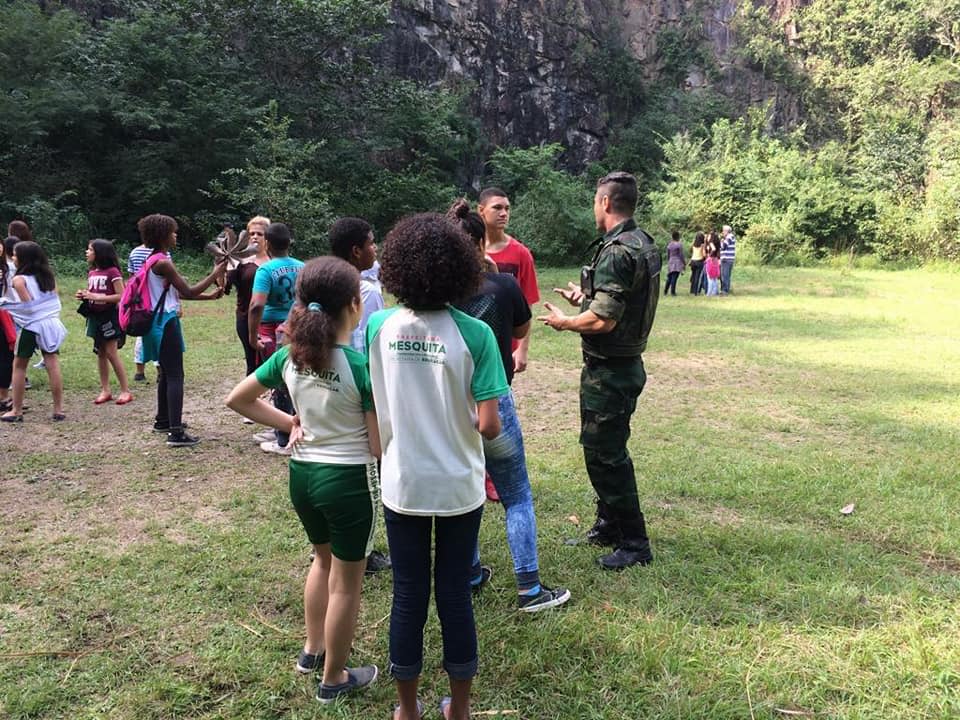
x=138, y=256
x=728, y=247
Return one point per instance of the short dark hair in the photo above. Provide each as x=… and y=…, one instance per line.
x=155, y=229
x=348, y=233
x=428, y=262
x=20, y=230
x=490, y=192
x=278, y=238
x=621, y=188
x=675, y=235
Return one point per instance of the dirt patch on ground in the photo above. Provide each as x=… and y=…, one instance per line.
x=104, y=474
x=548, y=398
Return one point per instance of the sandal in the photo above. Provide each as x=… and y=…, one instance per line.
x=420, y=709
x=11, y=418
x=101, y=399
x=124, y=400
x=6, y=405
x=58, y=417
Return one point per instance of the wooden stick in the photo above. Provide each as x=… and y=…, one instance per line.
x=70, y=670
x=42, y=653
x=249, y=629
x=258, y=616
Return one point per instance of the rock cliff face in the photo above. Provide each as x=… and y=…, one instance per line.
x=522, y=61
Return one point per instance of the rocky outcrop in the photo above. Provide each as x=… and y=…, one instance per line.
x=525, y=63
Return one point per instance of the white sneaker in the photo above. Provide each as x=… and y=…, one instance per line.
x=265, y=436
x=272, y=447
x=247, y=421
x=40, y=365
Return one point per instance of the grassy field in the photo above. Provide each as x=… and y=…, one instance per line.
x=139, y=582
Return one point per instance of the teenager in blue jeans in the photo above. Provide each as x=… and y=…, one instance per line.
x=501, y=305
x=436, y=376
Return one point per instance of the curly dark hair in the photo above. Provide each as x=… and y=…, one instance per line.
x=325, y=288
x=428, y=262
x=155, y=229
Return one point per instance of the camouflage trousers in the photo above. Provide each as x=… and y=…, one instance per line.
x=608, y=397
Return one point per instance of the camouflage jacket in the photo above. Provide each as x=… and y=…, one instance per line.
x=622, y=283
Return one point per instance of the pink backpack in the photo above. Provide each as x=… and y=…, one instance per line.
x=138, y=311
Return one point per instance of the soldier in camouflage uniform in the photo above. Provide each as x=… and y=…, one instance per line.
x=617, y=295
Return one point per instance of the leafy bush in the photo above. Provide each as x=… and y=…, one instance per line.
x=58, y=225
x=276, y=181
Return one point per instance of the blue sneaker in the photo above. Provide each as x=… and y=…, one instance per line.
x=308, y=663
x=357, y=678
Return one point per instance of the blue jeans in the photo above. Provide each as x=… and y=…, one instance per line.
x=507, y=465
x=409, y=538
x=726, y=269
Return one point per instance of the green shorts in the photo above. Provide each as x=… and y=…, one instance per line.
x=337, y=504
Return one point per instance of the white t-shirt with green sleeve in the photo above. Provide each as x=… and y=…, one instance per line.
x=429, y=369
x=330, y=405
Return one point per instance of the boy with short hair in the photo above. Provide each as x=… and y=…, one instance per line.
x=351, y=239
x=510, y=255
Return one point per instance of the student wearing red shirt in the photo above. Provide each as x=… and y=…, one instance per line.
x=511, y=257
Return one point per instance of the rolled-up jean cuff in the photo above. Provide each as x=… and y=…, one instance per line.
x=407, y=672
x=460, y=671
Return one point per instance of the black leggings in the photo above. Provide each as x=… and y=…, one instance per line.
x=696, y=270
x=249, y=352
x=6, y=362
x=170, y=377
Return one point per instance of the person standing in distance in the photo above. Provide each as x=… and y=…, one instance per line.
x=728, y=256
x=617, y=295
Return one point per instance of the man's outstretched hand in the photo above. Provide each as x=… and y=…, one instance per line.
x=573, y=294
x=556, y=319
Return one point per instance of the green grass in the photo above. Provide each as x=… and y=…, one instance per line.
x=172, y=580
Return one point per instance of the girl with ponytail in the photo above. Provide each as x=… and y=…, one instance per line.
x=333, y=472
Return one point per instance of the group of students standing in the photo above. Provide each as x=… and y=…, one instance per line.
x=30, y=321
x=403, y=408
x=712, y=258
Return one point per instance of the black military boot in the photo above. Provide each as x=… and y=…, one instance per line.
x=633, y=548
x=605, y=531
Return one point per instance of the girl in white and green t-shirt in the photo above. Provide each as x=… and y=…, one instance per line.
x=333, y=471
x=436, y=376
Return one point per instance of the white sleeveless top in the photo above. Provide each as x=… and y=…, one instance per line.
x=40, y=315
x=172, y=302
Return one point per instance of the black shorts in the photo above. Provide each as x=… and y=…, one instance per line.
x=104, y=326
